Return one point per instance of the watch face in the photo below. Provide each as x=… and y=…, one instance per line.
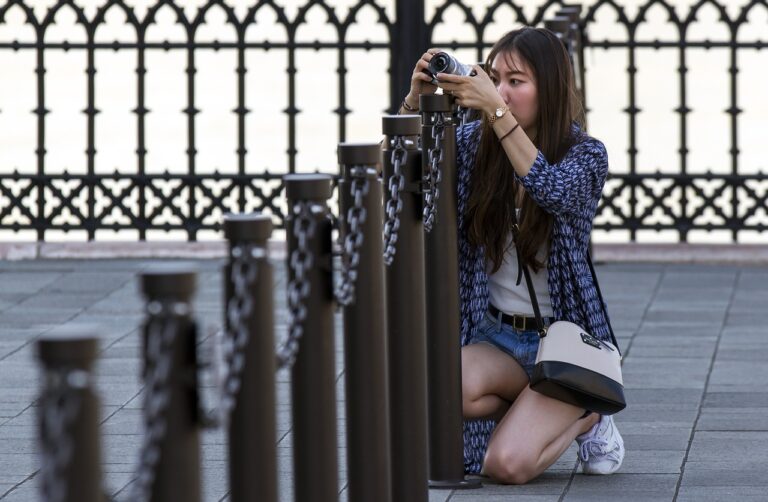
x=499, y=112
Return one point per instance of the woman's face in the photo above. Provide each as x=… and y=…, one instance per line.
x=516, y=84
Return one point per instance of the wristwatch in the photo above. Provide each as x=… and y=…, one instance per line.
x=498, y=114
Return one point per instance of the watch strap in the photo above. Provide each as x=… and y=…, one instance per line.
x=495, y=115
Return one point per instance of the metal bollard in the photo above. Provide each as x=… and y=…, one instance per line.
x=446, y=447
x=561, y=26
x=365, y=344
x=249, y=387
x=69, y=419
x=573, y=13
x=313, y=374
x=406, y=309
x=170, y=457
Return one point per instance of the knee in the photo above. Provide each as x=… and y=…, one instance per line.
x=509, y=465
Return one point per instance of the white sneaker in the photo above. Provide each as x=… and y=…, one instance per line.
x=601, y=448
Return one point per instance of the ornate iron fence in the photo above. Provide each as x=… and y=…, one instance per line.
x=675, y=196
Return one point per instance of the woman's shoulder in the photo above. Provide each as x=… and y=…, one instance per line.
x=583, y=143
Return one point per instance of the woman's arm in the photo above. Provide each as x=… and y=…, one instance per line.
x=557, y=188
x=567, y=186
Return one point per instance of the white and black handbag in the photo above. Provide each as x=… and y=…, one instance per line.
x=574, y=366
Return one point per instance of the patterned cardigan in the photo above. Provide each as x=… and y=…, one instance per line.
x=570, y=190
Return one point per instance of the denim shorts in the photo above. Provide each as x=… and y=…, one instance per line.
x=522, y=346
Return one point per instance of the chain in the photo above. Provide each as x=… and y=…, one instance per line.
x=62, y=404
x=350, y=258
x=395, y=202
x=239, y=308
x=433, y=176
x=161, y=331
x=463, y=114
x=298, y=289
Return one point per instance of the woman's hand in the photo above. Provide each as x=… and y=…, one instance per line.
x=477, y=92
x=421, y=81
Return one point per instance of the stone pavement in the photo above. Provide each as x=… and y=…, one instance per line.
x=694, y=336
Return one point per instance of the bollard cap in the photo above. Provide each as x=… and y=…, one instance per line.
x=432, y=103
x=69, y=346
x=359, y=154
x=248, y=227
x=558, y=24
x=175, y=281
x=308, y=186
x=401, y=125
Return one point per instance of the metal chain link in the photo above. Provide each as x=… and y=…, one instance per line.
x=433, y=176
x=463, y=114
x=61, y=405
x=395, y=203
x=298, y=289
x=244, y=274
x=161, y=332
x=353, y=241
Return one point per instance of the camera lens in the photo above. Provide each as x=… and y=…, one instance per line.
x=440, y=63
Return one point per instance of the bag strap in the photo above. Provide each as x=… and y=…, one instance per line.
x=532, y=293
x=602, y=302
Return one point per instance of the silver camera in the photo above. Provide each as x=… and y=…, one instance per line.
x=442, y=62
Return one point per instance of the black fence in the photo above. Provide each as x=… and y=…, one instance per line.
x=677, y=196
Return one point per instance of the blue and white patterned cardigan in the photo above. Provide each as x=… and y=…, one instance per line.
x=570, y=190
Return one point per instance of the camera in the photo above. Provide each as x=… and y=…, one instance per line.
x=442, y=62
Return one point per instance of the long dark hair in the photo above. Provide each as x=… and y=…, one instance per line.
x=493, y=185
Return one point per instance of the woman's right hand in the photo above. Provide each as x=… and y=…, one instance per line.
x=421, y=81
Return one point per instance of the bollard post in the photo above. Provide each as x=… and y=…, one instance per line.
x=249, y=387
x=446, y=446
x=69, y=419
x=311, y=337
x=170, y=456
x=573, y=13
x=365, y=344
x=406, y=309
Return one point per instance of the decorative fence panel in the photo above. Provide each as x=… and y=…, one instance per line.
x=218, y=99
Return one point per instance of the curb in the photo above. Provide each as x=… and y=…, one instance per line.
x=744, y=254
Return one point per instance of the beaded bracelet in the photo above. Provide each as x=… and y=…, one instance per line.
x=408, y=107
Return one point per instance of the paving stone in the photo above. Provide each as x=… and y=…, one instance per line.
x=727, y=448
x=699, y=474
x=721, y=493
x=742, y=353
x=26, y=492
x=733, y=419
x=674, y=439
x=674, y=346
x=667, y=329
x=623, y=486
x=654, y=373
x=735, y=399
x=670, y=396
x=653, y=412
x=737, y=372
x=653, y=462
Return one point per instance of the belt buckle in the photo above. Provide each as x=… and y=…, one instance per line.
x=518, y=319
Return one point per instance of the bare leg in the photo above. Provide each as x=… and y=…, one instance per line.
x=532, y=435
x=490, y=381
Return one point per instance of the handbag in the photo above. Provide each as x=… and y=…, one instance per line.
x=572, y=365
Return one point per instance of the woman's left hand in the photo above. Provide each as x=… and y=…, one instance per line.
x=478, y=92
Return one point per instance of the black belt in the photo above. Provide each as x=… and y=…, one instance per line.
x=519, y=322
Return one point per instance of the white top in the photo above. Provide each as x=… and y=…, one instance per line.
x=510, y=298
